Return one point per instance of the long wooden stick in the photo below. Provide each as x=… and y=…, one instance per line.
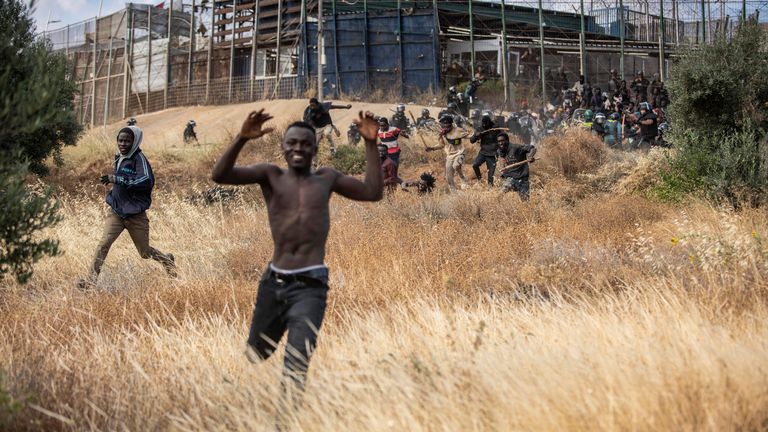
x=516, y=164
x=494, y=129
x=418, y=132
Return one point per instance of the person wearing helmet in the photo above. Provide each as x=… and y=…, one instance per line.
x=513, y=124
x=589, y=117
x=613, y=130
x=515, y=178
x=453, y=111
x=189, y=132
x=450, y=139
x=598, y=126
x=318, y=115
x=451, y=95
x=664, y=129
x=462, y=104
x=425, y=119
x=649, y=126
x=398, y=119
x=475, y=118
x=488, y=147
x=353, y=134
x=131, y=121
x=550, y=126
x=388, y=136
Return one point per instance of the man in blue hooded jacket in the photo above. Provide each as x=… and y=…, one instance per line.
x=129, y=199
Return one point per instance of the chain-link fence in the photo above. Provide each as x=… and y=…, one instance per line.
x=144, y=58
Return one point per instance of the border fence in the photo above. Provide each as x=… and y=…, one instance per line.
x=146, y=58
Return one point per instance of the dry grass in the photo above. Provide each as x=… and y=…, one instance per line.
x=578, y=310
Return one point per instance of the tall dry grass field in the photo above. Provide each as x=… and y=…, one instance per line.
x=588, y=308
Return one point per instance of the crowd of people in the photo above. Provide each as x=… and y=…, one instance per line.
x=624, y=115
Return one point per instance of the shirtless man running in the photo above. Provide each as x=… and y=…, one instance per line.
x=293, y=289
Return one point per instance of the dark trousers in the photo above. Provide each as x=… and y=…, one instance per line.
x=489, y=161
x=520, y=185
x=292, y=303
x=395, y=157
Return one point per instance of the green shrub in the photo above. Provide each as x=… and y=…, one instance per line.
x=37, y=117
x=720, y=117
x=350, y=159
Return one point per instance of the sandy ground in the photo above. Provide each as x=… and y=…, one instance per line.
x=216, y=123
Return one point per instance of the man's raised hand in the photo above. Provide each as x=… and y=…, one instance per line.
x=252, y=126
x=367, y=125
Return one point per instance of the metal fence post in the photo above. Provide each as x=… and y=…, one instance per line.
x=336, y=47
x=400, y=48
x=277, y=49
x=232, y=49
x=662, y=38
x=168, y=56
x=320, y=48
x=541, y=53
x=191, y=48
x=621, y=38
x=109, y=74
x=472, y=39
x=365, y=45
x=504, y=62
x=95, y=72
x=255, y=44
x=149, y=53
x=127, y=56
x=582, y=42
x=209, y=69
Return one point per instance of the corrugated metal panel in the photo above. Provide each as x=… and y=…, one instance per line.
x=517, y=14
x=379, y=62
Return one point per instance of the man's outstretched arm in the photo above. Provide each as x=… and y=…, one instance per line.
x=225, y=171
x=372, y=188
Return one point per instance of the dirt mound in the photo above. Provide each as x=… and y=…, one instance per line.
x=217, y=123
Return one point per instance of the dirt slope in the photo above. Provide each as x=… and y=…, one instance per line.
x=216, y=123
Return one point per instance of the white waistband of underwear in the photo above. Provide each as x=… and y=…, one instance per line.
x=298, y=270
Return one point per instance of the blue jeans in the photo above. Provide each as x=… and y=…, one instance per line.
x=489, y=161
x=293, y=303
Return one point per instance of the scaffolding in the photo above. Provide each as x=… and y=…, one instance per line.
x=146, y=58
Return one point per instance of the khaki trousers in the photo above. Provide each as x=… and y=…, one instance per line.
x=453, y=166
x=138, y=229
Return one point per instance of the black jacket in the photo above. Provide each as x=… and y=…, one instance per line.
x=132, y=192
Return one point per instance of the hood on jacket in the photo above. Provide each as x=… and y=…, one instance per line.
x=137, y=136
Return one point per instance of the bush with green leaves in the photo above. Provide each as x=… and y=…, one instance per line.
x=350, y=159
x=37, y=117
x=719, y=115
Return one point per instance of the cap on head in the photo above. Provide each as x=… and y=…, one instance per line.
x=313, y=101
